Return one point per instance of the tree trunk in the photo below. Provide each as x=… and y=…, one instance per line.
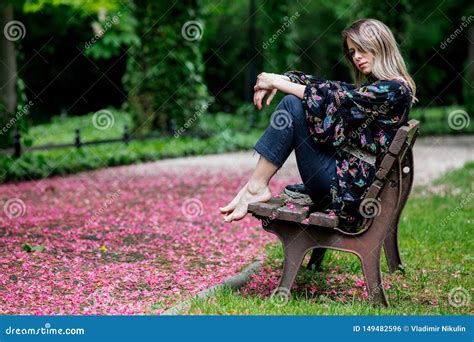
x=469, y=91
x=8, y=69
x=251, y=74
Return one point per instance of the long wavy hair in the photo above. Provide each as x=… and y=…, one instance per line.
x=371, y=35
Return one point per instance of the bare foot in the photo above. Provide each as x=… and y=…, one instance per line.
x=237, y=208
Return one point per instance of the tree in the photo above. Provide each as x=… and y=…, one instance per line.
x=8, y=66
x=165, y=71
x=468, y=83
x=8, y=71
x=278, y=35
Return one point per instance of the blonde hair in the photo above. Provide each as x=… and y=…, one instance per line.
x=371, y=35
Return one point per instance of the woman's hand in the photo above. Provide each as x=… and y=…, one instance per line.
x=266, y=81
x=269, y=84
x=260, y=94
x=265, y=86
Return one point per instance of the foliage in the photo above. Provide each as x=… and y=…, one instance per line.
x=279, y=34
x=223, y=137
x=165, y=72
x=114, y=31
x=85, y=7
x=61, y=129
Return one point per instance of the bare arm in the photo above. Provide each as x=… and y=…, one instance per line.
x=288, y=87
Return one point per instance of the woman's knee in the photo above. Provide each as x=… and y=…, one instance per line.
x=291, y=100
x=294, y=106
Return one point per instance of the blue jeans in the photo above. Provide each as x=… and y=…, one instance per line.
x=288, y=130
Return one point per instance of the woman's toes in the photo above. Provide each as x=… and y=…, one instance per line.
x=225, y=209
x=236, y=215
x=233, y=204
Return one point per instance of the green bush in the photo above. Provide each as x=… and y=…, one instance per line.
x=42, y=164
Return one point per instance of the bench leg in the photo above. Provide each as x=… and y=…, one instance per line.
x=373, y=277
x=392, y=252
x=294, y=254
x=317, y=256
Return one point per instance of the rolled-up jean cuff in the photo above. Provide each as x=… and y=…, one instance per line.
x=266, y=153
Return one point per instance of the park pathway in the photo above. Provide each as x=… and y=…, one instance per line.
x=137, y=239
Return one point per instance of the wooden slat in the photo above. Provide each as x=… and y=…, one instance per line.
x=374, y=189
x=266, y=208
x=414, y=127
x=385, y=166
x=323, y=220
x=293, y=212
x=399, y=140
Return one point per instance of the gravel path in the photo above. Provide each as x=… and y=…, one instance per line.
x=433, y=157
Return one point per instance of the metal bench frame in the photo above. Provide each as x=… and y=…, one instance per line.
x=301, y=231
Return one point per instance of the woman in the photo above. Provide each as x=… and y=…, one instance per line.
x=323, y=121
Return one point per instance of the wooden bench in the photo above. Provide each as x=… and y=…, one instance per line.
x=301, y=230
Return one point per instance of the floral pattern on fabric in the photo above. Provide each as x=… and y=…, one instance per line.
x=340, y=114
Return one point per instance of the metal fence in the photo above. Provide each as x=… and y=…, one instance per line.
x=17, y=150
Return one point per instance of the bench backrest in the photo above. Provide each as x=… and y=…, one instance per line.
x=402, y=142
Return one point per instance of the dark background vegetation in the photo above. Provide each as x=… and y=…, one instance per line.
x=144, y=71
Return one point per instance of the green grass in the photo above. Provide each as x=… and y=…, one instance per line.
x=61, y=129
x=436, y=250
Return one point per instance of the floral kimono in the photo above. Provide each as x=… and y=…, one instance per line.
x=341, y=117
